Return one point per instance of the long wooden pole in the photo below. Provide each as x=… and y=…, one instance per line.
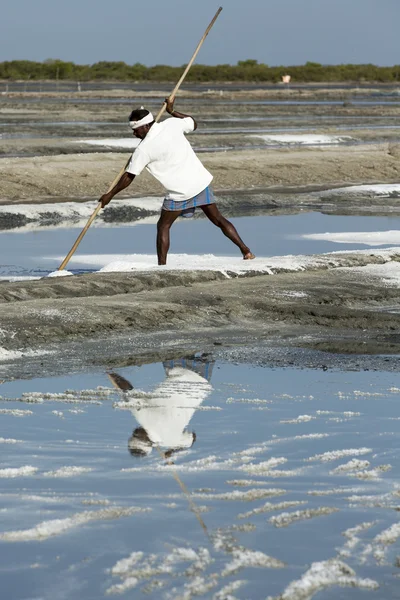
x=158, y=117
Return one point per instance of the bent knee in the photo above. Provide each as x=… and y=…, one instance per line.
x=220, y=221
x=162, y=225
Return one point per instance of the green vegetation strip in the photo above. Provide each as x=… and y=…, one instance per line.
x=245, y=70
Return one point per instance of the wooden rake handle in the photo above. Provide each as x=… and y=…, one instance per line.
x=158, y=117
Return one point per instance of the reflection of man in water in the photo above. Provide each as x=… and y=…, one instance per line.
x=168, y=410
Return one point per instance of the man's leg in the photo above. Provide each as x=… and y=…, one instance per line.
x=165, y=221
x=212, y=212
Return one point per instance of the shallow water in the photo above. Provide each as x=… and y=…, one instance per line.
x=262, y=438
x=39, y=252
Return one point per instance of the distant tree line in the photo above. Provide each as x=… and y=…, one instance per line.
x=246, y=71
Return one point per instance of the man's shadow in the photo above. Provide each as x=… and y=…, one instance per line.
x=165, y=415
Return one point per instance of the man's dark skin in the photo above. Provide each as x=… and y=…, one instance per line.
x=168, y=217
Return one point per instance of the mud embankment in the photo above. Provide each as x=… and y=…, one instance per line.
x=281, y=306
x=88, y=175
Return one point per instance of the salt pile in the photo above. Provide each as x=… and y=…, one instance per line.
x=380, y=189
x=304, y=139
x=58, y=273
x=368, y=238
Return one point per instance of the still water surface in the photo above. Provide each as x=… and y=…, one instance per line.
x=38, y=252
x=204, y=475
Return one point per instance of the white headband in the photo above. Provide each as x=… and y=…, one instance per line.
x=145, y=121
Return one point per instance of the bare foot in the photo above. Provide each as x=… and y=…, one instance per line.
x=249, y=256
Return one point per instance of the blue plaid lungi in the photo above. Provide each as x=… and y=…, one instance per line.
x=187, y=207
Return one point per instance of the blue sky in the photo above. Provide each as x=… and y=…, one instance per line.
x=276, y=32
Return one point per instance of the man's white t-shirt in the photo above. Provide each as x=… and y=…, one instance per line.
x=169, y=157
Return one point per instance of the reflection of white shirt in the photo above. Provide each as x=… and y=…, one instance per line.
x=168, y=411
x=169, y=157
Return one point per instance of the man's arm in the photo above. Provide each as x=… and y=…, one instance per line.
x=175, y=113
x=125, y=180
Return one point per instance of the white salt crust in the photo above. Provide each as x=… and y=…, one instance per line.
x=285, y=519
x=67, y=472
x=336, y=454
x=26, y=471
x=321, y=576
x=242, y=558
x=47, y=529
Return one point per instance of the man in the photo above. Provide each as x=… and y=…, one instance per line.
x=169, y=157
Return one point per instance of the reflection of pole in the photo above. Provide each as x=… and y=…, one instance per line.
x=120, y=384
x=186, y=492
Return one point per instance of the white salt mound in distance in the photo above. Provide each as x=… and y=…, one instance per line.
x=57, y=273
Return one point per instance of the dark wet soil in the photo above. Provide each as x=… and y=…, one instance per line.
x=326, y=308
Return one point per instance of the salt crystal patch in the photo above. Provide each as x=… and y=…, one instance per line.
x=250, y=495
x=303, y=139
x=96, y=502
x=372, y=474
x=390, y=535
x=55, y=527
x=58, y=273
x=58, y=413
x=199, y=559
x=299, y=419
x=352, y=465
x=334, y=491
x=123, y=566
x=226, y=592
x=368, y=238
x=251, y=451
x=350, y=533
x=222, y=264
x=199, y=586
x=285, y=519
x=123, y=143
x=270, y=507
x=243, y=558
x=336, y=454
x=369, y=394
x=18, y=472
x=68, y=472
x=245, y=482
x=352, y=537
x=6, y=355
x=193, y=262
x=263, y=466
x=121, y=588
x=15, y=412
x=9, y=354
x=379, y=189
x=323, y=575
